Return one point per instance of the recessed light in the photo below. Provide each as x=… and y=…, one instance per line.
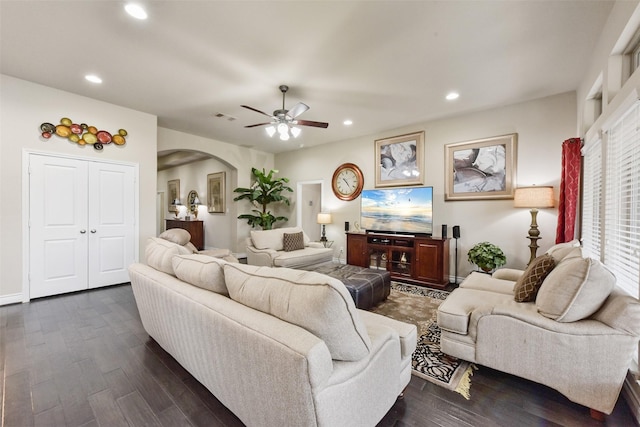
x=136, y=11
x=348, y=122
x=452, y=95
x=93, y=78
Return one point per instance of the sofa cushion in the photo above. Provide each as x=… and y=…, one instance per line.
x=318, y=303
x=176, y=235
x=202, y=271
x=560, y=251
x=292, y=241
x=529, y=283
x=303, y=258
x=575, y=289
x=272, y=239
x=159, y=253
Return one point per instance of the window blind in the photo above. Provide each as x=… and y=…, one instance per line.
x=621, y=248
x=592, y=198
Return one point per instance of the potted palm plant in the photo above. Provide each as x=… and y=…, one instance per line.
x=486, y=256
x=265, y=190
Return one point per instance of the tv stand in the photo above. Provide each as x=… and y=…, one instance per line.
x=418, y=260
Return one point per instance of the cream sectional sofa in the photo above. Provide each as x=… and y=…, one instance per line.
x=266, y=247
x=278, y=347
x=577, y=334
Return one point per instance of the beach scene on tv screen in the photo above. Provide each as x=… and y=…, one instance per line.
x=407, y=210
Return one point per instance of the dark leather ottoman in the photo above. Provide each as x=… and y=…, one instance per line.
x=367, y=286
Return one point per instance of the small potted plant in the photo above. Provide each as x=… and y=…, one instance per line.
x=487, y=256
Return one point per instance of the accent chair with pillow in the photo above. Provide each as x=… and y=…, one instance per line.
x=562, y=323
x=285, y=247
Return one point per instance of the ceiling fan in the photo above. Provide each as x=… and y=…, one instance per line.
x=285, y=121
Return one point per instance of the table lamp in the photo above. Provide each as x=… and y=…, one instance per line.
x=176, y=203
x=324, y=218
x=535, y=198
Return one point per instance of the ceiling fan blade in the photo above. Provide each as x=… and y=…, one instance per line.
x=258, y=124
x=256, y=110
x=312, y=123
x=297, y=109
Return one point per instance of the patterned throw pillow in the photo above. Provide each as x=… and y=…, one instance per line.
x=527, y=286
x=292, y=241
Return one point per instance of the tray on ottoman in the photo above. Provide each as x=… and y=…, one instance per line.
x=367, y=286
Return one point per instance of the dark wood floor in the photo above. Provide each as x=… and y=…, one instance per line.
x=84, y=360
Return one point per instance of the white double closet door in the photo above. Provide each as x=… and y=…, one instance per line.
x=81, y=224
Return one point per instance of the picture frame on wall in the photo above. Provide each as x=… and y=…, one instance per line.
x=173, y=190
x=400, y=160
x=481, y=169
x=216, y=192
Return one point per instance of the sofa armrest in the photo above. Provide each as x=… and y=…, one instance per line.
x=407, y=332
x=316, y=245
x=507, y=274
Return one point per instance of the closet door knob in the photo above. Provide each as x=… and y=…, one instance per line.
x=83, y=231
x=93, y=230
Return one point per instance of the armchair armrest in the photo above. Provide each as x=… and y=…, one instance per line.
x=260, y=256
x=317, y=245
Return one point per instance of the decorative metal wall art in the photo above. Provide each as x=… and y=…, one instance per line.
x=83, y=134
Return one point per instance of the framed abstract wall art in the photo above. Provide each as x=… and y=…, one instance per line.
x=400, y=160
x=481, y=169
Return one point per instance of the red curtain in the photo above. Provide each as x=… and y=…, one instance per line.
x=569, y=189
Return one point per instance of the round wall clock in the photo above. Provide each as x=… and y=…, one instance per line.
x=347, y=181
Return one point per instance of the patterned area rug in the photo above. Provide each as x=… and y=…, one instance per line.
x=418, y=305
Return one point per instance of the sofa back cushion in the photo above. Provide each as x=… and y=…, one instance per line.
x=575, y=289
x=320, y=304
x=160, y=252
x=561, y=251
x=176, y=235
x=273, y=239
x=202, y=271
x=527, y=285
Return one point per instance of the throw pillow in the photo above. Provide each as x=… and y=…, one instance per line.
x=202, y=271
x=318, y=303
x=575, y=289
x=527, y=285
x=561, y=251
x=292, y=241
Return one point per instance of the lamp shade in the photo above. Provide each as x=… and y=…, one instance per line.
x=177, y=202
x=324, y=218
x=534, y=197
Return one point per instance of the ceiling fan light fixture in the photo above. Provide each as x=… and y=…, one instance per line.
x=284, y=136
x=295, y=132
x=271, y=130
x=283, y=128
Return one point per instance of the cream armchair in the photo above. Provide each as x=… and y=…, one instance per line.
x=285, y=247
x=182, y=237
x=576, y=333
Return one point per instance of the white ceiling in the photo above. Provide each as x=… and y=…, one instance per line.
x=382, y=64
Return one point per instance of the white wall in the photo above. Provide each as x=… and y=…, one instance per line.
x=541, y=126
x=238, y=160
x=218, y=227
x=24, y=106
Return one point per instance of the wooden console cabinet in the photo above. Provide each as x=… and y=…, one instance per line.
x=195, y=228
x=412, y=259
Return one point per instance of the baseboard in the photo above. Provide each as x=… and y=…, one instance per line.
x=10, y=299
x=631, y=393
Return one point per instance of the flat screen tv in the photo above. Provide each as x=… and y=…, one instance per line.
x=398, y=210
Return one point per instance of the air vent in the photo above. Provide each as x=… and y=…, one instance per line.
x=225, y=116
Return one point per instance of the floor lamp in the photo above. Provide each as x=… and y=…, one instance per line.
x=534, y=198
